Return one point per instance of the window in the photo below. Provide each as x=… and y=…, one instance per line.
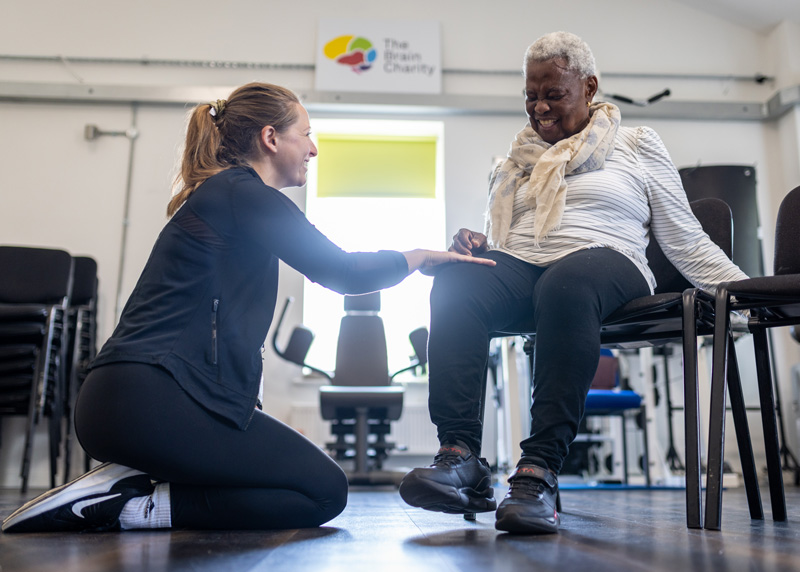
x=376, y=185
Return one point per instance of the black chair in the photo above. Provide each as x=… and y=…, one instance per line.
x=676, y=312
x=361, y=401
x=34, y=300
x=773, y=301
x=83, y=344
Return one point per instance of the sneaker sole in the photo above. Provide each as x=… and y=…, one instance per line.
x=97, y=481
x=514, y=523
x=433, y=496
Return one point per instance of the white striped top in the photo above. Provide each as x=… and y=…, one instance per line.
x=638, y=191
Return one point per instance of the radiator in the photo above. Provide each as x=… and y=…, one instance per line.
x=413, y=433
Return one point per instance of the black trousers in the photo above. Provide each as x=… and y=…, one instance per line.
x=567, y=301
x=266, y=477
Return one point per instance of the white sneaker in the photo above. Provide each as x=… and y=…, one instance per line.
x=90, y=502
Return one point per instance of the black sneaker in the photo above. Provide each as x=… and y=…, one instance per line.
x=457, y=482
x=92, y=502
x=531, y=505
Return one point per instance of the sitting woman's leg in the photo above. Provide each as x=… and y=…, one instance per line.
x=267, y=476
x=571, y=299
x=467, y=303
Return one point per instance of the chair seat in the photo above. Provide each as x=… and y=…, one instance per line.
x=18, y=351
x=386, y=402
x=26, y=312
x=653, y=320
x=769, y=292
x=11, y=382
x=15, y=365
x=642, y=322
x=608, y=401
x=22, y=331
x=767, y=286
x=665, y=302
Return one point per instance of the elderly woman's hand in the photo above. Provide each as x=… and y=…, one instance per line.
x=469, y=242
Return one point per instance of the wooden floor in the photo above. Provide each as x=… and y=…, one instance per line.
x=601, y=530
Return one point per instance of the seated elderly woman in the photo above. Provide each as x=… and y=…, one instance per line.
x=569, y=217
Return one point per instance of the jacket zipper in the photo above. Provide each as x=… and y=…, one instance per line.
x=214, y=308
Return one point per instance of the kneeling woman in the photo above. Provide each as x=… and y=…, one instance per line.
x=170, y=402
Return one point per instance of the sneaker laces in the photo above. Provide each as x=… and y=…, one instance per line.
x=527, y=487
x=448, y=458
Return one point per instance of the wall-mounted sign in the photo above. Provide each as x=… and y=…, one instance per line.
x=379, y=56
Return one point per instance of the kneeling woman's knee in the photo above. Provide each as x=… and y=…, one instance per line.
x=334, y=500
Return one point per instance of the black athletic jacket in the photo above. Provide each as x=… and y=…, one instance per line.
x=205, y=300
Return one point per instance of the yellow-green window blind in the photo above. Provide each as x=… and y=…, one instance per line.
x=376, y=166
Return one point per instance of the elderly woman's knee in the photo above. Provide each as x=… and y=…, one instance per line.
x=455, y=285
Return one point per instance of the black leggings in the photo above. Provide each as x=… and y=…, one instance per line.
x=564, y=303
x=266, y=477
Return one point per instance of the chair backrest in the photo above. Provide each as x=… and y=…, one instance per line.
x=84, y=285
x=34, y=275
x=716, y=219
x=419, y=341
x=607, y=374
x=361, y=354
x=787, y=235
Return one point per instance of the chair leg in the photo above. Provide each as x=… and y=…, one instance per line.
x=772, y=448
x=624, y=449
x=70, y=392
x=28, y=448
x=743, y=439
x=646, y=467
x=54, y=426
x=716, y=421
x=54, y=445
x=67, y=445
x=46, y=356
x=691, y=409
x=362, y=435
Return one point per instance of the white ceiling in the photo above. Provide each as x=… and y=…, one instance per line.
x=757, y=15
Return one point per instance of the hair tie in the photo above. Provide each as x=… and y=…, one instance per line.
x=217, y=108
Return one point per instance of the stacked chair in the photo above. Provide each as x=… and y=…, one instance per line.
x=34, y=302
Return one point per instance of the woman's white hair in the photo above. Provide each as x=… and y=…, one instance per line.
x=566, y=46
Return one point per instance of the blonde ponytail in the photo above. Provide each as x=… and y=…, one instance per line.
x=224, y=134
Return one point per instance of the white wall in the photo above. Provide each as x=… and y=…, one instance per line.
x=59, y=190
x=626, y=36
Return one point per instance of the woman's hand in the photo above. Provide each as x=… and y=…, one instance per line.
x=427, y=260
x=469, y=242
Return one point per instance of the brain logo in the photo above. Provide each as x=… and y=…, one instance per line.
x=352, y=51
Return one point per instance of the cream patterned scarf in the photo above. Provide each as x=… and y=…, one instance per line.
x=542, y=168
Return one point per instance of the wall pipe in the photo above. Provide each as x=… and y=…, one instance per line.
x=90, y=133
x=226, y=64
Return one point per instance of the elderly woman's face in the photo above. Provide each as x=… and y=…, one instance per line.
x=556, y=99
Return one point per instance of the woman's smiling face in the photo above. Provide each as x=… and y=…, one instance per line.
x=295, y=150
x=556, y=99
